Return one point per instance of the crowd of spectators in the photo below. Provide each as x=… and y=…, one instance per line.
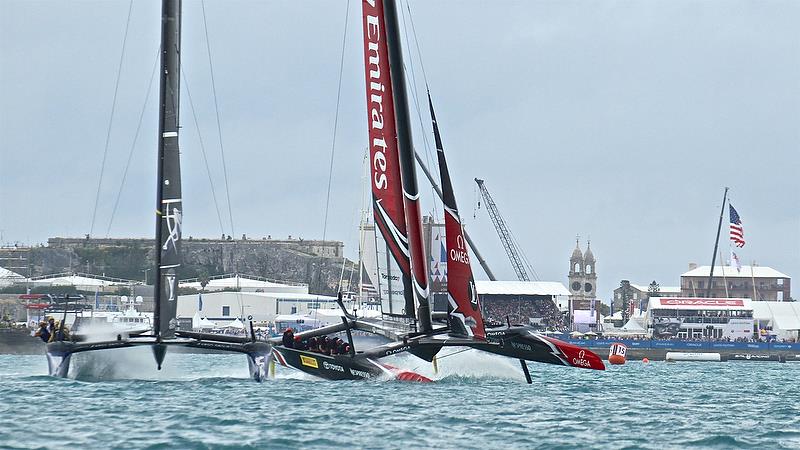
x=762, y=339
x=519, y=310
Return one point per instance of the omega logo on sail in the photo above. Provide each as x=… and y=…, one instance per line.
x=376, y=89
x=459, y=254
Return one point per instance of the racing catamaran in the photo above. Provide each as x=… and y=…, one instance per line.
x=396, y=215
x=169, y=213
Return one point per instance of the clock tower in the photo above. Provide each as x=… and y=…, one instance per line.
x=576, y=277
x=582, y=278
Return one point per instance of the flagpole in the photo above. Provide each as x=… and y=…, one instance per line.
x=716, y=244
x=724, y=280
x=753, y=280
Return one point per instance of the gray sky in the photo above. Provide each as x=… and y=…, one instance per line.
x=618, y=120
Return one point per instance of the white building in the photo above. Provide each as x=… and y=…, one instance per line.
x=223, y=307
x=82, y=282
x=243, y=283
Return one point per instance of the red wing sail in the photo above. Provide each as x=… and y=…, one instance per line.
x=464, y=312
x=387, y=189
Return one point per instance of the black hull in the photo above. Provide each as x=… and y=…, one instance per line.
x=340, y=367
x=522, y=342
x=59, y=354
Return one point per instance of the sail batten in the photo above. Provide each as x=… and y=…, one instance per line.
x=169, y=204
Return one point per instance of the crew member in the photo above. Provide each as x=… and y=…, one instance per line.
x=299, y=343
x=288, y=338
x=323, y=345
x=43, y=333
x=60, y=333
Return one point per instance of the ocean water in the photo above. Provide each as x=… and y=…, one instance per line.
x=119, y=400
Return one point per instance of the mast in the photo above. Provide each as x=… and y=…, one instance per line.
x=169, y=209
x=464, y=310
x=716, y=244
x=405, y=147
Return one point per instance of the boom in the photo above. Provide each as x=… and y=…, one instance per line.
x=502, y=231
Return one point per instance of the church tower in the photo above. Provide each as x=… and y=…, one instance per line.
x=589, y=274
x=576, y=274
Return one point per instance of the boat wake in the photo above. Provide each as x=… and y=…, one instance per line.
x=137, y=364
x=466, y=364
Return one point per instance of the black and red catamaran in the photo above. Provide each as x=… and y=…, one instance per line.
x=396, y=213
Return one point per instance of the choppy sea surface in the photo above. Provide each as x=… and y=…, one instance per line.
x=120, y=401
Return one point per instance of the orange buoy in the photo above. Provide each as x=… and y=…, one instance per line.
x=616, y=353
x=645, y=360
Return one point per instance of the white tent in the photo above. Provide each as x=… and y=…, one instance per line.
x=7, y=277
x=196, y=321
x=206, y=324
x=633, y=327
x=235, y=324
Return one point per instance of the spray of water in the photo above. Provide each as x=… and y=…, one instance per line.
x=456, y=362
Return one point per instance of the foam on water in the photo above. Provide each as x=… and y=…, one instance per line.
x=478, y=401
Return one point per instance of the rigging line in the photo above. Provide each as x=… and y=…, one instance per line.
x=428, y=157
x=219, y=127
x=203, y=151
x=335, y=122
x=523, y=257
x=133, y=144
x=416, y=41
x=111, y=119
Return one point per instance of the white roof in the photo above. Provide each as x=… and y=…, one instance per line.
x=785, y=315
x=234, y=282
x=731, y=272
x=699, y=303
x=661, y=289
x=76, y=280
x=5, y=273
x=294, y=296
x=520, y=288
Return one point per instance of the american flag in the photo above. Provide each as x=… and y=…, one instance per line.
x=737, y=231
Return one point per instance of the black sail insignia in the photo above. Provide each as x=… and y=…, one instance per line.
x=169, y=208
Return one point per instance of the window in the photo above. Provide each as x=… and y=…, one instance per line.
x=780, y=296
x=589, y=268
x=294, y=310
x=780, y=281
x=226, y=311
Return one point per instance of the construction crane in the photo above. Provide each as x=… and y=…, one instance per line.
x=514, y=254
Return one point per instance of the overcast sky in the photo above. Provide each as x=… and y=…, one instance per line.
x=616, y=120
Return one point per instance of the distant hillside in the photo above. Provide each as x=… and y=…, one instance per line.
x=316, y=263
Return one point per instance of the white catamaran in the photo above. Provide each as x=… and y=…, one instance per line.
x=169, y=212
